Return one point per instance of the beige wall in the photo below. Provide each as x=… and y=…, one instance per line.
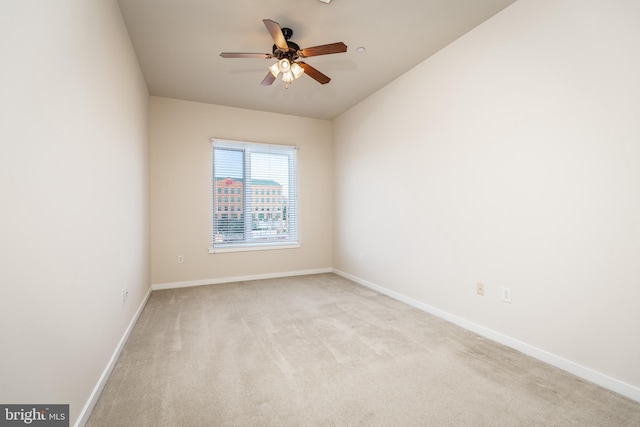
x=73, y=186
x=180, y=162
x=516, y=149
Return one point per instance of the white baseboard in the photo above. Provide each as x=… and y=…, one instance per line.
x=204, y=282
x=95, y=394
x=627, y=390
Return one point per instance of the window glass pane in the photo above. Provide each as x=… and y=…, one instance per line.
x=229, y=175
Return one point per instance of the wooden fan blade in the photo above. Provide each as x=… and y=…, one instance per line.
x=276, y=33
x=268, y=80
x=324, y=49
x=314, y=74
x=246, y=55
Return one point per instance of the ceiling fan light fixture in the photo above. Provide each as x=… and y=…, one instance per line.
x=274, y=70
x=287, y=77
x=284, y=65
x=297, y=70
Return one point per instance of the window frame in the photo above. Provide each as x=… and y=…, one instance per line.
x=248, y=208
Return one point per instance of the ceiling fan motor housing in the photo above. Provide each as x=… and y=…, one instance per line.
x=292, y=53
x=287, y=33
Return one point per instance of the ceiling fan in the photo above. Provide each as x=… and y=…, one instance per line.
x=289, y=56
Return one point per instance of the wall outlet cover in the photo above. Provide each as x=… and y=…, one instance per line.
x=506, y=294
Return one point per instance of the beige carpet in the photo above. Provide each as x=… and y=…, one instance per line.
x=323, y=351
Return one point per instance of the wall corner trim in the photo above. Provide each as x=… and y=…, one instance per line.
x=620, y=387
x=97, y=390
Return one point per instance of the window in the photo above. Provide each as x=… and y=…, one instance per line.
x=247, y=168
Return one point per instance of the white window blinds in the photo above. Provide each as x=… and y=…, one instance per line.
x=254, y=195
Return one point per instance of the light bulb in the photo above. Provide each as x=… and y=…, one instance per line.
x=297, y=70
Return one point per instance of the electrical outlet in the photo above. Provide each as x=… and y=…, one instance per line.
x=180, y=259
x=480, y=289
x=506, y=294
x=125, y=295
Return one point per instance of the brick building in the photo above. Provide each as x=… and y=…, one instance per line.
x=267, y=200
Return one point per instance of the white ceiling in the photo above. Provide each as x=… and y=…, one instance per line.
x=178, y=44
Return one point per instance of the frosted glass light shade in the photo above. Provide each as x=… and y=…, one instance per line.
x=287, y=77
x=284, y=65
x=274, y=70
x=297, y=70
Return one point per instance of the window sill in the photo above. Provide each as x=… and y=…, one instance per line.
x=248, y=248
